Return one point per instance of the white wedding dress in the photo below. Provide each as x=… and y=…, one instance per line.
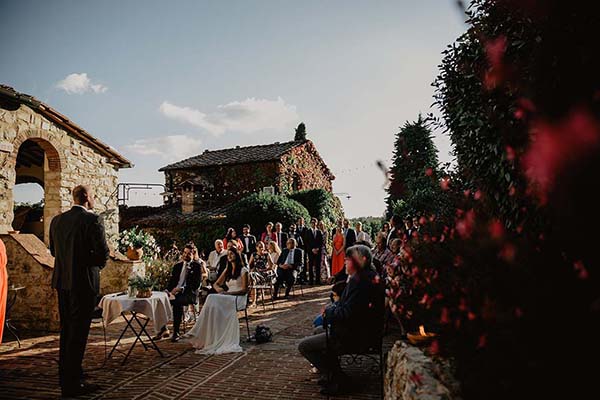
x=217, y=329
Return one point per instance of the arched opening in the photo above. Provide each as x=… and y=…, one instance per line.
x=36, y=193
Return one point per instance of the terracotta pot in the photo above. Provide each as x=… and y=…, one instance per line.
x=134, y=254
x=144, y=293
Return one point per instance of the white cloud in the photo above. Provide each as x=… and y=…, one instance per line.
x=247, y=116
x=169, y=148
x=79, y=84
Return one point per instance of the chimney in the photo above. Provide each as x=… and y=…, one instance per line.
x=187, y=199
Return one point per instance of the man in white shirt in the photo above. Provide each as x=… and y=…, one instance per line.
x=214, y=260
x=291, y=260
x=362, y=237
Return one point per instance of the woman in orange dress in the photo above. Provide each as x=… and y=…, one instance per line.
x=339, y=244
x=3, y=286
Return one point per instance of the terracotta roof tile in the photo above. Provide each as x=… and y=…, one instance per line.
x=236, y=155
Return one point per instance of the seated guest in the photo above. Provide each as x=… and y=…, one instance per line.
x=362, y=237
x=358, y=315
x=183, y=285
x=248, y=242
x=223, y=263
x=232, y=236
x=214, y=260
x=269, y=234
x=217, y=329
x=381, y=253
x=274, y=252
x=291, y=260
x=259, y=259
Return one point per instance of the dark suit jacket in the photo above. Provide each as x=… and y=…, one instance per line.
x=284, y=238
x=192, y=280
x=359, y=313
x=251, y=248
x=299, y=239
x=298, y=258
x=350, y=237
x=313, y=241
x=78, y=244
x=395, y=234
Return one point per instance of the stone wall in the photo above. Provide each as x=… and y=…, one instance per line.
x=69, y=162
x=114, y=276
x=411, y=375
x=29, y=265
x=302, y=168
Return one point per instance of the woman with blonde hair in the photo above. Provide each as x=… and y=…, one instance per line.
x=274, y=253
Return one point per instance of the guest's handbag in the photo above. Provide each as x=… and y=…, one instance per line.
x=263, y=334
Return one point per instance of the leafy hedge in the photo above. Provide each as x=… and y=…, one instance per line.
x=260, y=208
x=320, y=204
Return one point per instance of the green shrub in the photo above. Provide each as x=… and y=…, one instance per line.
x=320, y=204
x=260, y=208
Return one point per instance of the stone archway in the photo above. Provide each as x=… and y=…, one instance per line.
x=37, y=160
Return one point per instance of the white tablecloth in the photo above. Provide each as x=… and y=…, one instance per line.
x=157, y=308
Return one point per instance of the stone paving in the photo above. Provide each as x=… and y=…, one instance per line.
x=273, y=370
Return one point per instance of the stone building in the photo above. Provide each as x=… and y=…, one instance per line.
x=218, y=177
x=40, y=145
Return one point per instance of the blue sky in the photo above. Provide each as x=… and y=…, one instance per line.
x=166, y=80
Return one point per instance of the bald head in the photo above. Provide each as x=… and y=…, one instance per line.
x=83, y=196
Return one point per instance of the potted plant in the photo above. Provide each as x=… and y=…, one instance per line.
x=135, y=243
x=141, y=286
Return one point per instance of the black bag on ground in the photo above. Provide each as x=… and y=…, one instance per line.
x=263, y=334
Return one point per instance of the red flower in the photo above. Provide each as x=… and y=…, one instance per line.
x=482, y=341
x=429, y=172
x=508, y=252
x=496, y=229
x=494, y=51
x=417, y=379
x=445, y=316
x=510, y=153
x=554, y=146
x=445, y=183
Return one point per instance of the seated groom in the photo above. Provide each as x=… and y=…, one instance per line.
x=357, y=315
x=291, y=260
x=184, y=283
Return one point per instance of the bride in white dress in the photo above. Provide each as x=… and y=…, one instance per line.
x=217, y=328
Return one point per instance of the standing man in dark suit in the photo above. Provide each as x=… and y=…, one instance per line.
x=395, y=230
x=280, y=236
x=349, y=233
x=78, y=244
x=301, y=229
x=184, y=283
x=314, y=244
x=249, y=241
x=291, y=260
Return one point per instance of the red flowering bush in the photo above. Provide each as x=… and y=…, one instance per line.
x=511, y=285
